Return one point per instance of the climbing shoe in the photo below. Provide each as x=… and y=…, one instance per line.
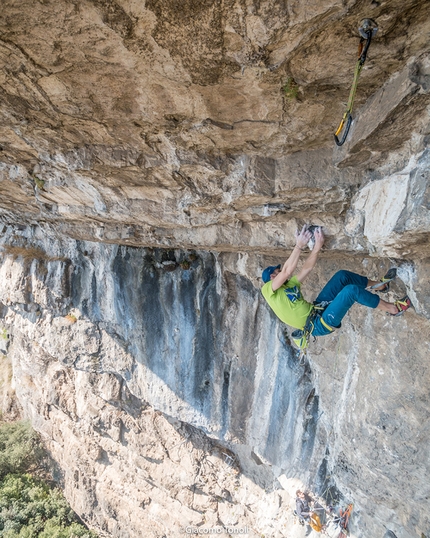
x=402, y=305
x=386, y=279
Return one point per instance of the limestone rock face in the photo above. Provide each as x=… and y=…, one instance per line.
x=154, y=157
x=210, y=124
x=170, y=396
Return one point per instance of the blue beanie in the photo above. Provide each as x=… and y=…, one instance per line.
x=268, y=271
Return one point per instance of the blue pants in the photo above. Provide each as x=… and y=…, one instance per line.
x=343, y=290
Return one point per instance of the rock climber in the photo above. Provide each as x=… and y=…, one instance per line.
x=303, y=509
x=306, y=515
x=282, y=291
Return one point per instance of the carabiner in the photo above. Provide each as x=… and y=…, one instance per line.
x=348, y=118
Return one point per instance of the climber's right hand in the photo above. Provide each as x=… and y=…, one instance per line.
x=302, y=237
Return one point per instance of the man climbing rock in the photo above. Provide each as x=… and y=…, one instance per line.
x=303, y=510
x=306, y=515
x=282, y=291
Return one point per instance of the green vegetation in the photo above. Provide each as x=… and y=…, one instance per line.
x=71, y=318
x=185, y=265
x=291, y=89
x=20, y=450
x=39, y=182
x=3, y=333
x=29, y=508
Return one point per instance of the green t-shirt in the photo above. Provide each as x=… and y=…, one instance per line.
x=287, y=302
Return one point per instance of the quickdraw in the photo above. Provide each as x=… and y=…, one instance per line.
x=367, y=30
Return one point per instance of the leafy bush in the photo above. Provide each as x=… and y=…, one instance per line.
x=291, y=89
x=29, y=508
x=19, y=448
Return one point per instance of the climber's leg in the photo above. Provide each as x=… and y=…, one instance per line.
x=350, y=294
x=337, y=282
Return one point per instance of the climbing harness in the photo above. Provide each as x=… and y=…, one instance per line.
x=301, y=337
x=367, y=30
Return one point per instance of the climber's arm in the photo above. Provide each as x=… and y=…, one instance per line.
x=312, y=259
x=290, y=265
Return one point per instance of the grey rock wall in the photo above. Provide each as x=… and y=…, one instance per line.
x=134, y=135
x=98, y=332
